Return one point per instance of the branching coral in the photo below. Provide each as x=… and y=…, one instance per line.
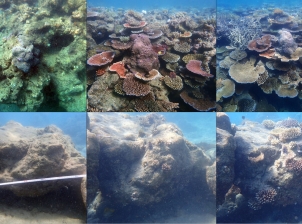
x=266, y=196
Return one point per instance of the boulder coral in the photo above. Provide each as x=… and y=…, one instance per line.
x=32, y=152
x=141, y=162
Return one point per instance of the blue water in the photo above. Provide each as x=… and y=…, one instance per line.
x=257, y=3
x=154, y=4
x=196, y=127
x=72, y=124
x=236, y=117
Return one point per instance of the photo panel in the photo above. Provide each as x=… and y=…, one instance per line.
x=42, y=55
x=259, y=167
x=151, y=168
x=151, y=56
x=259, y=56
x=43, y=168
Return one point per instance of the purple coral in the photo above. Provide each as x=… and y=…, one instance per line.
x=288, y=123
x=25, y=57
x=287, y=42
x=295, y=165
x=266, y=196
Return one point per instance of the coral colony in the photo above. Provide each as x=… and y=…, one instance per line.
x=150, y=61
x=262, y=161
x=259, y=52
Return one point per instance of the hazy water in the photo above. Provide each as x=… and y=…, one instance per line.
x=236, y=117
x=257, y=3
x=196, y=127
x=72, y=124
x=154, y=4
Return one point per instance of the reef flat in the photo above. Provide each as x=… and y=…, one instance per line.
x=155, y=60
x=259, y=58
x=42, y=59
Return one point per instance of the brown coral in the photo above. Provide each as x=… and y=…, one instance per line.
x=195, y=67
x=174, y=83
x=135, y=87
x=260, y=44
x=200, y=105
x=182, y=47
x=101, y=59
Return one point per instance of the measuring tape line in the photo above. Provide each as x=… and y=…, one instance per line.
x=42, y=179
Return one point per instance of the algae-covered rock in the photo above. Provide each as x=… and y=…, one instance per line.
x=140, y=161
x=43, y=46
x=37, y=153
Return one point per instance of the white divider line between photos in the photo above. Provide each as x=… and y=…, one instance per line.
x=42, y=179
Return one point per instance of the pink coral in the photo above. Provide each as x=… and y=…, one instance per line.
x=101, y=59
x=195, y=67
x=145, y=59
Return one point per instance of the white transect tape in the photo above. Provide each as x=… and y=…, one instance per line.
x=42, y=179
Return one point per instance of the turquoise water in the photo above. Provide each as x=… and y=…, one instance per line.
x=72, y=124
x=196, y=127
x=148, y=5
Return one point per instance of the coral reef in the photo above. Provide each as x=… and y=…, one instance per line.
x=140, y=163
x=264, y=163
x=259, y=50
x=42, y=58
x=161, y=44
x=32, y=152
